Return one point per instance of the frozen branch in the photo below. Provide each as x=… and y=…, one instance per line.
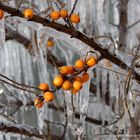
x=132, y=25
x=123, y=19
x=10, y=34
x=77, y=115
x=76, y=34
x=73, y=8
x=24, y=130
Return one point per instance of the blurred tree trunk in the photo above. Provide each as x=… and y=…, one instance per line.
x=123, y=19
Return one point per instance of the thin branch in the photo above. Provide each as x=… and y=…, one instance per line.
x=54, y=123
x=77, y=115
x=23, y=130
x=10, y=34
x=132, y=25
x=15, y=86
x=19, y=4
x=112, y=70
x=73, y=8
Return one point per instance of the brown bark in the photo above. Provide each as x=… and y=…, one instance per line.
x=123, y=4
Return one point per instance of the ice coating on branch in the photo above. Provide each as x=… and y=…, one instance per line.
x=2, y=33
x=83, y=106
x=41, y=117
x=39, y=47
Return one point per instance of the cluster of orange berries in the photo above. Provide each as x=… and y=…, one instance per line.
x=68, y=79
x=54, y=15
x=48, y=95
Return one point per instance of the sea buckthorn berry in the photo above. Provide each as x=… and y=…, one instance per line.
x=44, y=86
x=70, y=69
x=79, y=64
x=78, y=78
x=38, y=103
x=64, y=70
x=91, y=61
x=77, y=85
x=64, y=13
x=74, y=91
x=58, y=81
x=1, y=14
x=50, y=43
x=48, y=96
x=85, y=77
x=75, y=18
x=28, y=13
x=55, y=15
x=66, y=85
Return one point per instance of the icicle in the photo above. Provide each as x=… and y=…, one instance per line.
x=83, y=106
x=2, y=33
x=41, y=116
x=39, y=46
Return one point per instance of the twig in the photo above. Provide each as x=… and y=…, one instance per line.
x=54, y=123
x=23, y=85
x=132, y=25
x=23, y=130
x=66, y=116
x=18, y=87
x=111, y=70
x=74, y=6
x=19, y=4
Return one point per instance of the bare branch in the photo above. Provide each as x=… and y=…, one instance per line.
x=132, y=25
x=23, y=130
x=74, y=6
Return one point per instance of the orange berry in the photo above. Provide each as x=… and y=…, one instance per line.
x=64, y=13
x=75, y=18
x=66, y=85
x=78, y=78
x=48, y=96
x=74, y=91
x=1, y=14
x=85, y=77
x=70, y=69
x=50, y=43
x=28, y=13
x=91, y=61
x=64, y=70
x=58, y=81
x=77, y=85
x=55, y=15
x=79, y=64
x=44, y=86
x=38, y=103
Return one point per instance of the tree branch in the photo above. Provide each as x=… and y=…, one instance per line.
x=76, y=34
x=24, y=130
x=10, y=34
x=77, y=115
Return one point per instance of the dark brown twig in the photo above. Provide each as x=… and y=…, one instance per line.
x=73, y=8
